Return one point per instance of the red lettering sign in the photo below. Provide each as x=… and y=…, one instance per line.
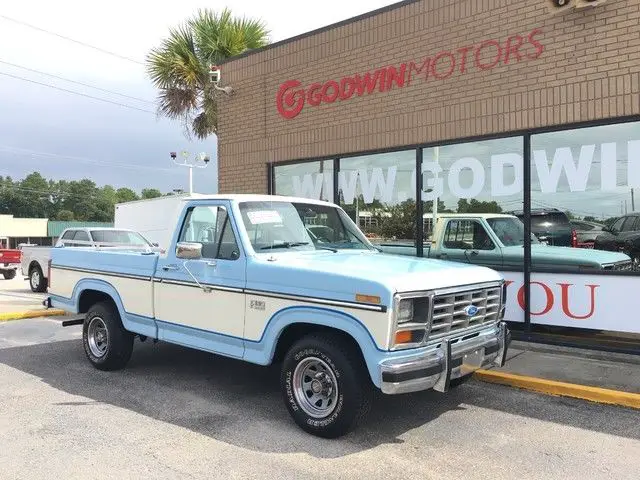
x=292, y=97
x=550, y=299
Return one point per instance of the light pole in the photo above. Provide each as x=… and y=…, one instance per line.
x=203, y=157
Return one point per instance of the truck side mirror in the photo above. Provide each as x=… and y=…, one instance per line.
x=189, y=250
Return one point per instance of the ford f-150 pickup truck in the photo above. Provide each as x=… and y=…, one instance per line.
x=497, y=240
x=245, y=277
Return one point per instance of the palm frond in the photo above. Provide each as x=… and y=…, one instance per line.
x=179, y=66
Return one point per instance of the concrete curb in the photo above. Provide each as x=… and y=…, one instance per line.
x=6, y=317
x=552, y=387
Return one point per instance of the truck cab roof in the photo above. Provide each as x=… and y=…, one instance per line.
x=246, y=197
x=475, y=215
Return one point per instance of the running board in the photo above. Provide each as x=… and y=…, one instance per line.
x=75, y=321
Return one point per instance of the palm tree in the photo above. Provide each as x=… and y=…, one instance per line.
x=179, y=67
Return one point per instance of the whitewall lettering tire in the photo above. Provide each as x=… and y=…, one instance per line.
x=325, y=385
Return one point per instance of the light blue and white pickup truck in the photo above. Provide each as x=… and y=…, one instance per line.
x=246, y=277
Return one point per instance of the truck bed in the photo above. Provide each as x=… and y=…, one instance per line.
x=125, y=274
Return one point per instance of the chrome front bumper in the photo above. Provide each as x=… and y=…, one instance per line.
x=453, y=358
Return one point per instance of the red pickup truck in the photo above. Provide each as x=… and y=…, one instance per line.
x=9, y=261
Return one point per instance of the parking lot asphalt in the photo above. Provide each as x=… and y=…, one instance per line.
x=16, y=296
x=179, y=413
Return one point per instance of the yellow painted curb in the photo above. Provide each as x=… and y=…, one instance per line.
x=552, y=387
x=5, y=317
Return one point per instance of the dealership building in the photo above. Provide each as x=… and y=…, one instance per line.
x=479, y=107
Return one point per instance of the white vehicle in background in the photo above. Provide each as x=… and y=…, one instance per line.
x=35, y=259
x=154, y=217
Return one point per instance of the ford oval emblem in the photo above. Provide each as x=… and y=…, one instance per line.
x=471, y=310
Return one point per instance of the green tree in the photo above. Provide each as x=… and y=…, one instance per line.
x=64, y=215
x=125, y=195
x=475, y=206
x=151, y=193
x=179, y=67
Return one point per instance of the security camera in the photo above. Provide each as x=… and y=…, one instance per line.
x=173, y=155
x=214, y=74
x=228, y=90
x=559, y=6
x=588, y=3
x=214, y=78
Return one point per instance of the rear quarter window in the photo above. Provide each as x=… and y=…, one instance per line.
x=550, y=221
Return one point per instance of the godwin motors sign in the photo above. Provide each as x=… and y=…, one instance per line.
x=292, y=97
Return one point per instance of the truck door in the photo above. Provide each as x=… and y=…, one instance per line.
x=467, y=240
x=200, y=301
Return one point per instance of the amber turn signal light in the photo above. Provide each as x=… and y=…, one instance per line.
x=405, y=336
x=368, y=298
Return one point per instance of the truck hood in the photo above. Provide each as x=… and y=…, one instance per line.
x=546, y=254
x=347, y=271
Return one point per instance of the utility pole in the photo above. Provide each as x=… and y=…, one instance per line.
x=633, y=202
x=203, y=157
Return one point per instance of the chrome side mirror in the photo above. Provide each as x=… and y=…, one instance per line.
x=189, y=250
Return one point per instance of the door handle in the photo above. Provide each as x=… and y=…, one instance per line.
x=170, y=267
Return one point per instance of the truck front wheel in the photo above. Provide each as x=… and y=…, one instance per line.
x=107, y=344
x=325, y=384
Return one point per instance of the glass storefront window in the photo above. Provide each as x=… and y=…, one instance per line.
x=477, y=184
x=308, y=180
x=378, y=193
x=583, y=186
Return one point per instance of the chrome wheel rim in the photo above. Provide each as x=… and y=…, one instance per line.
x=97, y=337
x=35, y=278
x=315, y=387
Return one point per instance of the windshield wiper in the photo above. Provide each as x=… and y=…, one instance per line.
x=334, y=250
x=284, y=245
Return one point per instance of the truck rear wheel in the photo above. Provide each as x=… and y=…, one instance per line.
x=107, y=344
x=9, y=274
x=325, y=385
x=36, y=279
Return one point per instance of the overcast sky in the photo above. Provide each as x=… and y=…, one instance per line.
x=67, y=136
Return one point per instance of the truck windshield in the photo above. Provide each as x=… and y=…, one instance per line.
x=510, y=231
x=281, y=225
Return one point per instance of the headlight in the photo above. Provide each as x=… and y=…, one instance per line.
x=405, y=310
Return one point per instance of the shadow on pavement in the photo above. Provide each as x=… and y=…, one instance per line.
x=240, y=403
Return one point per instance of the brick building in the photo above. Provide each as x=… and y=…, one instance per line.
x=503, y=106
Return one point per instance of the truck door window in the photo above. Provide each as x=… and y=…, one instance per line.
x=628, y=224
x=210, y=226
x=617, y=227
x=466, y=235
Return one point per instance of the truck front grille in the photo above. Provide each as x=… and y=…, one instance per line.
x=453, y=311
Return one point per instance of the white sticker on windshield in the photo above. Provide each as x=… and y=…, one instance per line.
x=264, y=216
